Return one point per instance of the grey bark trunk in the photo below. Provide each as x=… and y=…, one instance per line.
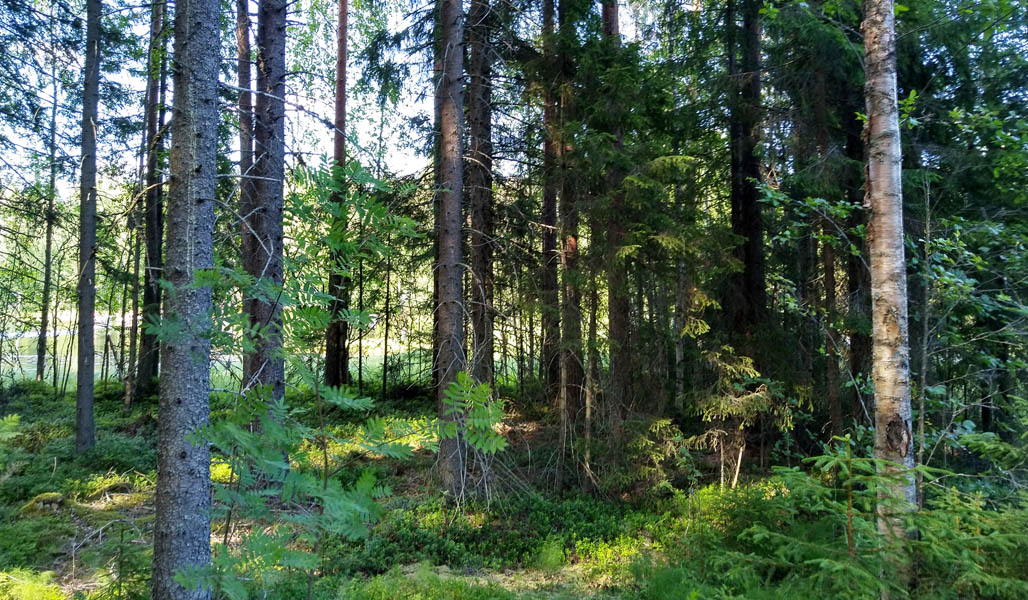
x=480, y=187
x=182, y=526
x=449, y=336
x=85, y=428
x=890, y=336
x=337, y=356
x=262, y=257
x=549, y=294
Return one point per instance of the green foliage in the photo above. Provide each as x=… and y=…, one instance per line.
x=652, y=462
x=421, y=585
x=21, y=584
x=473, y=414
x=30, y=540
x=550, y=555
x=816, y=530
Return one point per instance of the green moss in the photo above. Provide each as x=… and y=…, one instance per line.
x=47, y=502
x=423, y=585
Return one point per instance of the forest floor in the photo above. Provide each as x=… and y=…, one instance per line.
x=80, y=526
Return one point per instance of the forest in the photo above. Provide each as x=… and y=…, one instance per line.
x=501, y=299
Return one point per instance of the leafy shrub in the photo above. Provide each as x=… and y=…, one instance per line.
x=550, y=555
x=21, y=584
x=816, y=531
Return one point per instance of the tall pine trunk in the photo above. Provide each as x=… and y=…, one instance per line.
x=549, y=293
x=449, y=335
x=182, y=527
x=337, y=356
x=153, y=221
x=571, y=361
x=480, y=186
x=890, y=371
x=746, y=302
x=618, y=302
x=262, y=239
x=85, y=428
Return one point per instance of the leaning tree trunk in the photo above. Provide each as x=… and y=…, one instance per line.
x=890, y=370
x=337, y=356
x=480, y=186
x=449, y=335
x=182, y=527
x=85, y=428
x=153, y=222
x=262, y=238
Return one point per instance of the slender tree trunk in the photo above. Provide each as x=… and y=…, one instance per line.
x=858, y=281
x=449, y=351
x=55, y=370
x=337, y=358
x=549, y=294
x=85, y=429
x=571, y=363
x=746, y=303
x=130, y=370
x=681, y=311
x=153, y=221
x=385, y=335
x=243, y=61
x=480, y=186
x=51, y=218
x=831, y=333
x=890, y=336
x=618, y=302
x=182, y=527
x=262, y=239
x=360, y=309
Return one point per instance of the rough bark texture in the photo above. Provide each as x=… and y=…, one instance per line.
x=480, y=186
x=449, y=334
x=243, y=77
x=84, y=425
x=183, y=498
x=337, y=355
x=262, y=231
x=153, y=222
x=618, y=304
x=890, y=353
x=746, y=302
x=571, y=361
x=549, y=295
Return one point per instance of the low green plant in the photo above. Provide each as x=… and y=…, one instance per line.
x=22, y=584
x=551, y=555
x=423, y=584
